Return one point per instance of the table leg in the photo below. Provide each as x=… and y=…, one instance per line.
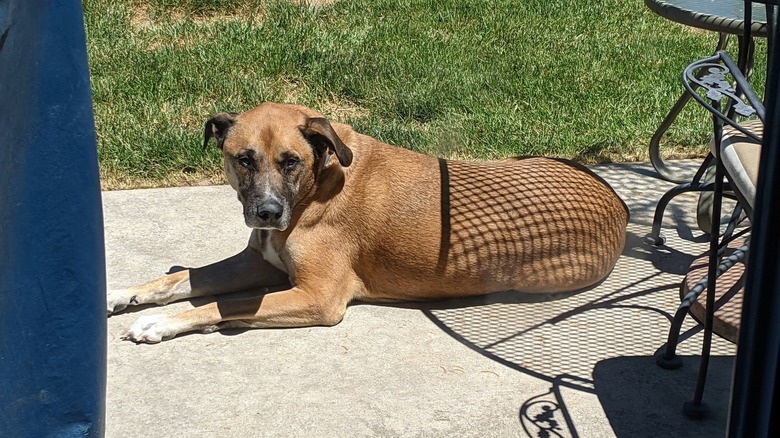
x=655, y=141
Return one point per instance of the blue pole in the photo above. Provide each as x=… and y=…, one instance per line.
x=52, y=269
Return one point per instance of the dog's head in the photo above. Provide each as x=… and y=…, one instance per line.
x=273, y=155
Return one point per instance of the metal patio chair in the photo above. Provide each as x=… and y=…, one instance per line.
x=719, y=85
x=702, y=181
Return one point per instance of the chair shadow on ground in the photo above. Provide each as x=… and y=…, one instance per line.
x=600, y=342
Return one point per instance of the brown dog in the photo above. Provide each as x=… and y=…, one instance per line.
x=338, y=216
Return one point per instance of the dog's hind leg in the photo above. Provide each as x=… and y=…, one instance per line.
x=244, y=271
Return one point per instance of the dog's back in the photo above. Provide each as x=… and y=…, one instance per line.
x=456, y=228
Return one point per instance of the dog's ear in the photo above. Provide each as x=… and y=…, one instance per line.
x=218, y=127
x=320, y=134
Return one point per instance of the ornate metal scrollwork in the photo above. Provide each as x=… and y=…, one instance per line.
x=716, y=86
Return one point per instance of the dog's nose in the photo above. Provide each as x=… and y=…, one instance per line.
x=270, y=210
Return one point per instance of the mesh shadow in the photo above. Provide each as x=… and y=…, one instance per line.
x=571, y=340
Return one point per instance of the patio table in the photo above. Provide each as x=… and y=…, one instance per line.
x=723, y=16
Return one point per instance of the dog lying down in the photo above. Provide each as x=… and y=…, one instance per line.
x=338, y=216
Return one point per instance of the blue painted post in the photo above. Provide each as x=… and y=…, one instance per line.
x=52, y=268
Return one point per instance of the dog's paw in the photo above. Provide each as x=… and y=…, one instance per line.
x=151, y=329
x=118, y=300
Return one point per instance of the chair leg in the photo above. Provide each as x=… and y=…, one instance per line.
x=669, y=360
x=696, y=408
x=655, y=238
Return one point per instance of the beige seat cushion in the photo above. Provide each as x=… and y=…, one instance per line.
x=740, y=155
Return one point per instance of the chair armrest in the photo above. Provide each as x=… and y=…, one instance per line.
x=710, y=74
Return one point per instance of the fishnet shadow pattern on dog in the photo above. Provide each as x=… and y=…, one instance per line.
x=542, y=218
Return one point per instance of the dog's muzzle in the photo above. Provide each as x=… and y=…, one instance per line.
x=268, y=214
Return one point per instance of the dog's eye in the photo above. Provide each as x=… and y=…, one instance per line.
x=290, y=163
x=245, y=161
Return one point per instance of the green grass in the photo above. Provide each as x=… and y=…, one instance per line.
x=466, y=79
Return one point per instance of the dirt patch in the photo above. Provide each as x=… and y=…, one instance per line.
x=194, y=116
x=336, y=108
x=343, y=110
x=316, y=3
x=143, y=17
x=140, y=18
x=150, y=22
x=290, y=91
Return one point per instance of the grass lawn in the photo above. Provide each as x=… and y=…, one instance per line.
x=455, y=78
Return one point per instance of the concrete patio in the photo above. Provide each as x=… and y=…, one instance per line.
x=499, y=366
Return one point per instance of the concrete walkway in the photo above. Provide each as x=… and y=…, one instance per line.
x=498, y=366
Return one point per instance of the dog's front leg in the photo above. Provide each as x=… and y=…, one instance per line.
x=246, y=270
x=295, y=307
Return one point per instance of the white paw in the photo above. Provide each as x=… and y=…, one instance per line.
x=151, y=329
x=118, y=299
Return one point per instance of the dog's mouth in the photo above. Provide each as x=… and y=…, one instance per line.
x=280, y=227
x=258, y=222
